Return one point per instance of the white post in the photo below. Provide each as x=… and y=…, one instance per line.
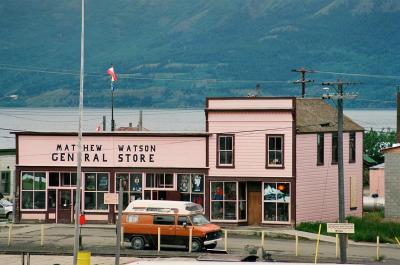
x=158, y=240
x=297, y=244
x=41, y=235
x=190, y=239
x=226, y=240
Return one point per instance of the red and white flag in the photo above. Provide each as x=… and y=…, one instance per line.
x=98, y=128
x=111, y=72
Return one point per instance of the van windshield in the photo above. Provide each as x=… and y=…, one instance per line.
x=199, y=220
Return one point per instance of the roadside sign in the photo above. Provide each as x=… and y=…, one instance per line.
x=110, y=198
x=340, y=228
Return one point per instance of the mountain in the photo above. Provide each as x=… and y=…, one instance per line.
x=174, y=53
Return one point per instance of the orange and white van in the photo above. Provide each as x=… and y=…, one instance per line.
x=142, y=218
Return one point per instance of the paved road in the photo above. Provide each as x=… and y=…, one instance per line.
x=100, y=240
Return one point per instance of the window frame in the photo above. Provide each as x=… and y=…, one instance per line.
x=33, y=190
x=320, y=149
x=274, y=166
x=218, y=151
x=276, y=202
x=352, y=149
x=129, y=191
x=189, y=189
x=237, y=202
x=96, y=191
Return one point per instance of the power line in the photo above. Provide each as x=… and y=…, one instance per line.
x=362, y=75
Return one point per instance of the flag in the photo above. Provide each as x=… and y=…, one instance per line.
x=98, y=128
x=111, y=72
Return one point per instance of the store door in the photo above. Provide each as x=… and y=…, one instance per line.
x=64, y=207
x=254, y=203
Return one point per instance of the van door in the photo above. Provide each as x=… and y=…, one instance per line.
x=167, y=228
x=182, y=232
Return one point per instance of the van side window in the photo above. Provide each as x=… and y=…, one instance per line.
x=182, y=219
x=132, y=219
x=164, y=220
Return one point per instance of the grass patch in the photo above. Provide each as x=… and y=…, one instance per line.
x=366, y=228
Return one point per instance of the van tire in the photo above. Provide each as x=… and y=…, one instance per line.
x=9, y=217
x=211, y=246
x=137, y=243
x=197, y=246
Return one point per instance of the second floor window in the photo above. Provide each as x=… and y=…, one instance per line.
x=225, y=150
x=320, y=149
x=334, y=148
x=352, y=147
x=274, y=150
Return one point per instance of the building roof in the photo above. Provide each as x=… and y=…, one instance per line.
x=315, y=115
x=394, y=149
x=131, y=129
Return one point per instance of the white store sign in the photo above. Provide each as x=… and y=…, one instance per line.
x=340, y=228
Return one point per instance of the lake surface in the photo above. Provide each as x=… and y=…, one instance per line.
x=163, y=120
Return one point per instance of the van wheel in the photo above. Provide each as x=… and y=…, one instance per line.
x=211, y=246
x=196, y=245
x=9, y=217
x=137, y=243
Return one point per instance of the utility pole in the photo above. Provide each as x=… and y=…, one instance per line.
x=398, y=115
x=112, y=107
x=77, y=234
x=303, y=80
x=339, y=97
x=120, y=203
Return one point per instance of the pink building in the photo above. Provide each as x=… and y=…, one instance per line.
x=260, y=161
x=377, y=180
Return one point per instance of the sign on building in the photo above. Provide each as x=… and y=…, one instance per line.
x=110, y=198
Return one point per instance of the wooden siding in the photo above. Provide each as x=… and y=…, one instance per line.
x=317, y=186
x=250, y=130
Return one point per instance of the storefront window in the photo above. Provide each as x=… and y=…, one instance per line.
x=276, y=202
x=96, y=184
x=33, y=190
x=159, y=180
x=132, y=184
x=191, y=187
x=228, y=201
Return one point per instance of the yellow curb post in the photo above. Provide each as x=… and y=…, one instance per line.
x=159, y=239
x=190, y=240
x=9, y=234
x=262, y=239
x=122, y=236
x=377, y=248
x=317, y=246
x=41, y=235
x=297, y=244
x=398, y=242
x=337, y=245
x=226, y=240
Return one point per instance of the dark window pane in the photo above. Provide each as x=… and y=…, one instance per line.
x=66, y=179
x=229, y=157
x=27, y=199
x=73, y=179
x=125, y=181
x=230, y=211
x=136, y=182
x=269, y=211
x=242, y=210
x=197, y=198
x=54, y=179
x=282, y=212
x=242, y=190
x=217, y=191
x=182, y=220
x=51, y=199
x=90, y=200
x=40, y=181
x=40, y=199
x=100, y=201
x=229, y=144
x=183, y=182
x=65, y=199
x=278, y=145
x=169, y=180
x=149, y=180
x=27, y=181
x=102, y=182
x=164, y=219
x=217, y=210
x=90, y=181
x=271, y=143
x=222, y=145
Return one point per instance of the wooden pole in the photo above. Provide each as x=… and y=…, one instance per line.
x=297, y=244
x=122, y=236
x=317, y=246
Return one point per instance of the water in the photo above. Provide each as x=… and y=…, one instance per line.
x=164, y=120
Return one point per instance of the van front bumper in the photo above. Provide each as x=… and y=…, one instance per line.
x=214, y=241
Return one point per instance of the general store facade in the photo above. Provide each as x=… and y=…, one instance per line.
x=242, y=169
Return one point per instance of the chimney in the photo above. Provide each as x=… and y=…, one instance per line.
x=398, y=116
x=130, y=125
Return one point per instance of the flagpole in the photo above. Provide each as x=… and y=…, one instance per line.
x=112, y=107
x=79, y=156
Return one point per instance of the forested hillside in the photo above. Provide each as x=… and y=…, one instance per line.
x=174, y=53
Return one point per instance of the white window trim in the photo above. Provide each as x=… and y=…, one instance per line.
x=230, y=150
x=21, y=190
x=84, y=190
